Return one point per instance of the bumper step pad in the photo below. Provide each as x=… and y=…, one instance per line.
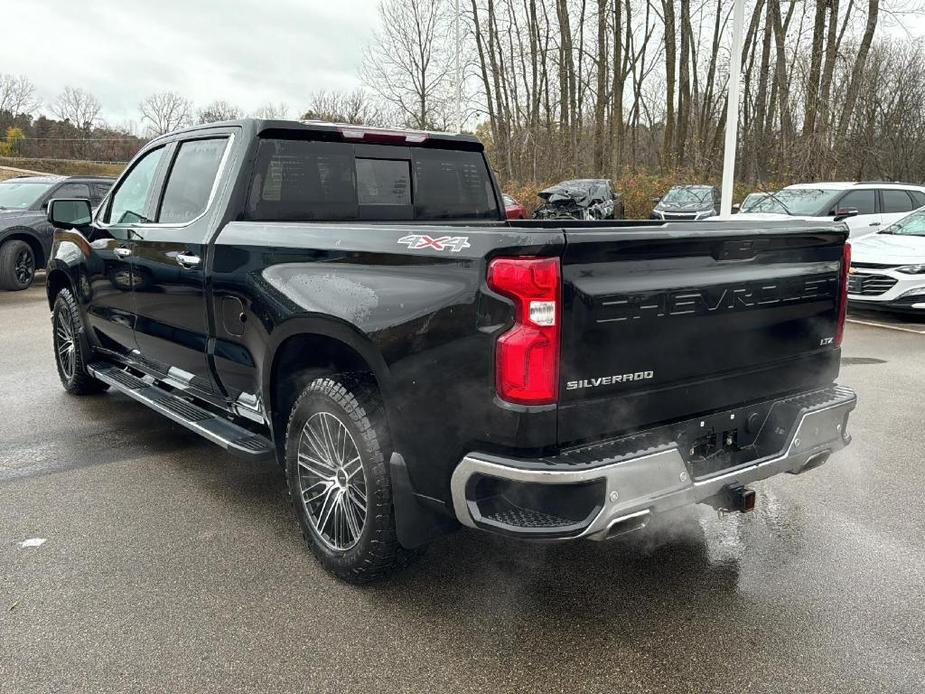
x=233, y=438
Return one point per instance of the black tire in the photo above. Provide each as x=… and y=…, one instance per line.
x=72, y=354
x=353, y=403
x=17, y=265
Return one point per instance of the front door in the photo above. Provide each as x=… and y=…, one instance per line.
x=168, y=264
x=867, y=220
x=109, y=280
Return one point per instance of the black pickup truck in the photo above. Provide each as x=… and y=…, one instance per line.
x=351, y=302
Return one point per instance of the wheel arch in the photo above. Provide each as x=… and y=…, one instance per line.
x=56, y=280
x=326, y=346
x=28, y=235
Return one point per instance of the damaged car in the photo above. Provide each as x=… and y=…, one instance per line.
x=583, y=198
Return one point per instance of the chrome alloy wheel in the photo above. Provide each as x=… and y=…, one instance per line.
x=65, y=344
x=332, y=482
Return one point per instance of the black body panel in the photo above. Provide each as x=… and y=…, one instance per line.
x=408, y=302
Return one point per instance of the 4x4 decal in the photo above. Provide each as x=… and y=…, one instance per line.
x=420, y=241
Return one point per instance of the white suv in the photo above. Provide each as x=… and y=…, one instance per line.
x=864, y=207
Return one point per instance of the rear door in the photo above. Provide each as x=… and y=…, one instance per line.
x=895, y=204
x=168, y=261
x=664, y=325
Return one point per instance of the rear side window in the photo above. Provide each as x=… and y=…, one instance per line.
x=191, y=179
x=896, y=201
x=861, y=200
x=336, y=181
x=918, y=196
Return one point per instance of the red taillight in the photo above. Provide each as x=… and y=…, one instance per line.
x=527, y=355
x=843, y=294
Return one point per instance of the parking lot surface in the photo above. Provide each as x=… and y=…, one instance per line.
x=169, y=566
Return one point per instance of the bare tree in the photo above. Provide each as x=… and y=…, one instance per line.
x=17, y=95
x=408, y=63
x=344, y=107
x=165, y=112
x=218, y=110
x=77, y=106
x=271, y=111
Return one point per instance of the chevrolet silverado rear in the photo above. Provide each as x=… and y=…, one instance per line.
x=352, y=302
x=691, y=360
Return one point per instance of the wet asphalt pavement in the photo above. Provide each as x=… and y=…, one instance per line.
x=170, y=566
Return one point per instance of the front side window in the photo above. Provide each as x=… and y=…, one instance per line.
x=896, y=201
x=864, y=201
x=129, y=201
x=190, y=182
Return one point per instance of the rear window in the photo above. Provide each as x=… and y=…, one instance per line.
x=335, y=181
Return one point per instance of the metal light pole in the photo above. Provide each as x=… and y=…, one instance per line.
x=459, y=116
x=732, y=108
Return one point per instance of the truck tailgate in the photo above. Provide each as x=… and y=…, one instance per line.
x=670, y=323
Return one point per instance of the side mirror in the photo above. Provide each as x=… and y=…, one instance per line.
x=736, y=207
x=845, y=212
x=67, y=213
x=656, y=200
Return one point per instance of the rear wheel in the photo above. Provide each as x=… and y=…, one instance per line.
x=336, y=443
x=17, y=265
x=71, y=351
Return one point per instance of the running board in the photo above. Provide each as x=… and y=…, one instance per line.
x=233, y=438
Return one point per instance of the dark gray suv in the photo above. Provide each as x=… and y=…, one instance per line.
x=25, y=235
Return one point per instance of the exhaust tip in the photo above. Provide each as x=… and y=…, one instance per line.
x=812, y=462
x=627, y=524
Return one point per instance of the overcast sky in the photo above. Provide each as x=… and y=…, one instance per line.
x=249, y=52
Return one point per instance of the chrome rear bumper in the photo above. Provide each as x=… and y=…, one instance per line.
x=625, y=490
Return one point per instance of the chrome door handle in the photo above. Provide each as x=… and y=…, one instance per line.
x=122, y=251
x=188, y=260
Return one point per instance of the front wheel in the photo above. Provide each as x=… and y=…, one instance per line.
x=336, y=443
x=71, y=352
x=17, y=265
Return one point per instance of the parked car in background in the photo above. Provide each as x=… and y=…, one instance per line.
x=581, y=198
x=687, y=202
x=512, y=208
x=864, y=207
x=25, y=235
x=750, y=201
x=888, y=268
